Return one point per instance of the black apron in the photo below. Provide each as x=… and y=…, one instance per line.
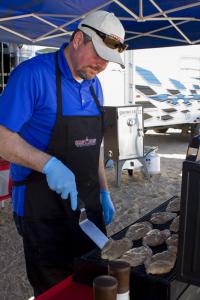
x=50, y=230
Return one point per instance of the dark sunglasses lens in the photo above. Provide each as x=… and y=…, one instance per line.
x=110, y=42
x=113, y=44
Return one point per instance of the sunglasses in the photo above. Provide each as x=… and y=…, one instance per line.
x=109, y=40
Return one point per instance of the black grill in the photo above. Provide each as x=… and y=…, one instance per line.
x=143, y=286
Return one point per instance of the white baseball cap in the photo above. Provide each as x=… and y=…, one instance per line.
x=111, y=43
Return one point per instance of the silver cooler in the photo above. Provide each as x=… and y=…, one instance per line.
x=123, y=138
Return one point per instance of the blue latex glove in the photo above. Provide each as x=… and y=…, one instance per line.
x=61, y=180
x=108, y=207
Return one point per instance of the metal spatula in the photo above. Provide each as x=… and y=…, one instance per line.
x=90, y=229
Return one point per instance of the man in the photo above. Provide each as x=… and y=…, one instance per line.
x=51, y=125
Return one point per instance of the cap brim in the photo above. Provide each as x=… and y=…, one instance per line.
x=105, y=52
x=102, y=50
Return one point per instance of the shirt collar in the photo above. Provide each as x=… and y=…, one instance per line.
x=65, y=69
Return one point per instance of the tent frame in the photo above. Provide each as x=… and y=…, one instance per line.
x=161, y=15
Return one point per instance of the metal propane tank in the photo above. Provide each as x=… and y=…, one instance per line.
x=152, y=161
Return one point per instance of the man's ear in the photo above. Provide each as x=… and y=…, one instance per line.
x=78, y=39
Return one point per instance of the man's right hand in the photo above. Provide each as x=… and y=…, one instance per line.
x=61, y=180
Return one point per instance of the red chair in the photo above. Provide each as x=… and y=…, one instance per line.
x=5, y=181
x=68, y=290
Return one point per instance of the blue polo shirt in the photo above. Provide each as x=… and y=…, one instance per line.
x=28, y=106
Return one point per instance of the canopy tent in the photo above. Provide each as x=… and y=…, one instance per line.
x=148, y=23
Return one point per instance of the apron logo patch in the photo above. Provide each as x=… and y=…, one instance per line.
x=86, y=142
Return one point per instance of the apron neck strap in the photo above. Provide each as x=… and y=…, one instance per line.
x=92, y=91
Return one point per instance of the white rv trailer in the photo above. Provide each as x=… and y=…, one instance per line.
x=169, y=104
x=169, y=98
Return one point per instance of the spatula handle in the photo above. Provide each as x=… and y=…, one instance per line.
x=81, y=204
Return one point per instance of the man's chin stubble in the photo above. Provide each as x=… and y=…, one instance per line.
x=83, y=75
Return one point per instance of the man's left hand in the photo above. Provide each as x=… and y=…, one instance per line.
x=108, y=207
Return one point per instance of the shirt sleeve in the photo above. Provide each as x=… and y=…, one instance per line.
x=18, y=98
